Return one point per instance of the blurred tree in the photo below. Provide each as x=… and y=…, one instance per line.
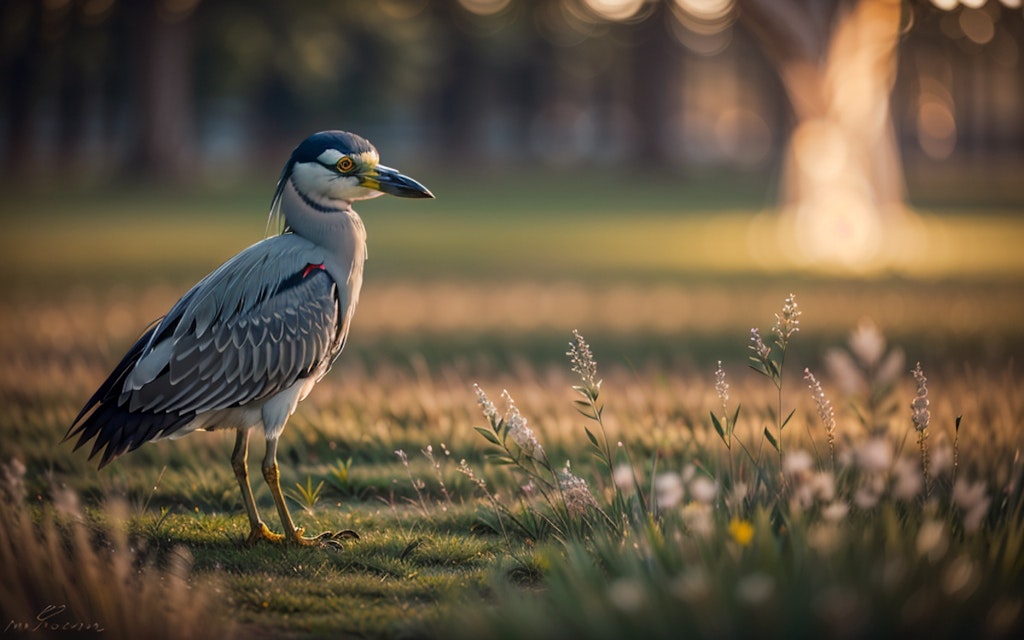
x=163, y=83
x=837, y=60
x=22, y=46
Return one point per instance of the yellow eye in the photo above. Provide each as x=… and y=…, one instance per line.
x=345, y=164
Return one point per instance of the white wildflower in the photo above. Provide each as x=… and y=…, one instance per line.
x=823, y=486
x=874, y=455
x=867, y=343
x=797, y=463
x=703, y=489
x=668, y=489
x=623, y=477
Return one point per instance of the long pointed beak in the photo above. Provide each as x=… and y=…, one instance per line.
x=388, y=180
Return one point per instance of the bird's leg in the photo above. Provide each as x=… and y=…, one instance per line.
x=272, y=474
x=240, y=463
x=293, y=534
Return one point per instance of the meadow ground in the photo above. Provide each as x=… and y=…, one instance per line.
x=687, y=508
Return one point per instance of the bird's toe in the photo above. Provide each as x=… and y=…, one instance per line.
x=262, y=532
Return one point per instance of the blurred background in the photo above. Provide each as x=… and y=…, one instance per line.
x=176, y=90
x=709, y=150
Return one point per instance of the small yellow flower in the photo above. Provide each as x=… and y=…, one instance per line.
x=741, y=531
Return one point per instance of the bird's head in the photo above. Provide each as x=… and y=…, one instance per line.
x=334, y=167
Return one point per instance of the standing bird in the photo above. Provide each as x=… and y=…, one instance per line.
x=250, y=340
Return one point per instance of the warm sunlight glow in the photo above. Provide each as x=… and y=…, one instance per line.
x=615, y=9
x=710, y=10
x=936, y=129
x=842, y=155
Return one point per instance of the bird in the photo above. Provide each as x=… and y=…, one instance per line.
x=249, y=341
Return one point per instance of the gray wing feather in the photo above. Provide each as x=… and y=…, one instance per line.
x=247, y=331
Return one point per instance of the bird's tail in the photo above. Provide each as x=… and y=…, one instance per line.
x=107, y=419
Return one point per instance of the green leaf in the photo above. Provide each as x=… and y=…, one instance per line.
x=735, y=418
x=591, y=437
x=718, y=426
x=758, y=365
x=500, y=458
x=771, y=439
x=488, y=435
x=786, y=421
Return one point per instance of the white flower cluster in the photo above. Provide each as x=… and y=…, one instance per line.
x=575, y=492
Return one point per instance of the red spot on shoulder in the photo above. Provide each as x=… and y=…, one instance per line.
x=310, y=268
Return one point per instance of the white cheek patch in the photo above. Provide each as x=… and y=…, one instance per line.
x=329, y=157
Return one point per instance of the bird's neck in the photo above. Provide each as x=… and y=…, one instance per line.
x=332, y=224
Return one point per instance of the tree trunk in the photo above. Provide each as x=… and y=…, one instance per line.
x=166, y=143
x=842, y=177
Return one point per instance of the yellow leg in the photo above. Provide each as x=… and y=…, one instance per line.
x=272, y=474
x=240, y=464
x=293, y=534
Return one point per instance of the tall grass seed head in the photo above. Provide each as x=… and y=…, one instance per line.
x=921, y=416
x=722, y=387
x=490, y=411
x=788, y=322
x=521, y=434
x=825, y=411
x=757, y=345
x=583, y=362
x=575, y=492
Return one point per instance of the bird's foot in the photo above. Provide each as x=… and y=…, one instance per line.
x=325, y=539
x=261, y=532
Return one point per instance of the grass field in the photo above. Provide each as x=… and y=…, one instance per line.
x=709, y=520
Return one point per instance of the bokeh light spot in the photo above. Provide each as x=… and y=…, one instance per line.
x=485, y=7
x=615, y=9
x=977, y=25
